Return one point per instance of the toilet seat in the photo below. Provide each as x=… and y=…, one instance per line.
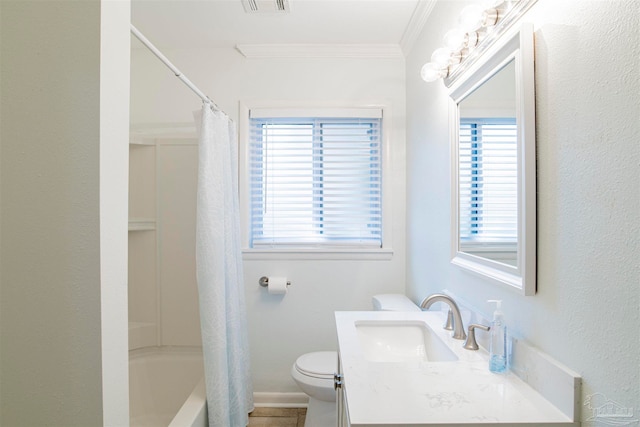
x=319, y=364
x=313, y=372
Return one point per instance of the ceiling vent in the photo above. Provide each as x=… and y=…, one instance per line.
x=266, y=6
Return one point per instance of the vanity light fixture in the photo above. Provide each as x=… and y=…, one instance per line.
x=476, y=22
x=445, y=57
x=431, y=72
x=458, y=39
x=441, y=60
x=474, y=17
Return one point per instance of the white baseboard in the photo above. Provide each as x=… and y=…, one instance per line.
x=280, y=400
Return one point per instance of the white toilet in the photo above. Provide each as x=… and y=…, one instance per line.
x=313, y=372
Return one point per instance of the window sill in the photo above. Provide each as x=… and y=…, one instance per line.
x=337, y=254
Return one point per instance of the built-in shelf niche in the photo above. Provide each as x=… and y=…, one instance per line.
x=143, y=300
x=142, y=181
x=142, y=224
x=163, y=303
x=142, y=334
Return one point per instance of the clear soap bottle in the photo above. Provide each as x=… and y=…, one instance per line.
x=498, y=347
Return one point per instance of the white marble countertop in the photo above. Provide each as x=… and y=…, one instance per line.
x=421, y=393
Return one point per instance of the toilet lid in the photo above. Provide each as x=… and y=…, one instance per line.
x=321, y=364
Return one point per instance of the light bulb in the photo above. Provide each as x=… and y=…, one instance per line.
x=471, y=17
x=441, y=57
x=431, y=72
x=455, y=39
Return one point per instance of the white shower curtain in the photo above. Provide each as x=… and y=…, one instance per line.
x=219, y=274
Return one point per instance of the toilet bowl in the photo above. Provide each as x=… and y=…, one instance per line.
x=313, y=372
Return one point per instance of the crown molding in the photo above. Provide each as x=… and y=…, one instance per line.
x=373, y=51
x=416, y=24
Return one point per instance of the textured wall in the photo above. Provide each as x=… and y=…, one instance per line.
x=64, y=135
x=586, y=312
x=50, y=301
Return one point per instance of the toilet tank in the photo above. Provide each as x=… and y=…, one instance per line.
x=393, y=302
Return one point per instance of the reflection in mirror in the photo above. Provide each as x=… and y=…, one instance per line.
x=487, y=168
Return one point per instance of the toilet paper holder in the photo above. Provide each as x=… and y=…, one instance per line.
x=264, y=282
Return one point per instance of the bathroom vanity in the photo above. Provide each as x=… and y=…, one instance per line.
x=404, y=369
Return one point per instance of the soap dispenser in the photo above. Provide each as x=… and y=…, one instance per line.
x=498, y=347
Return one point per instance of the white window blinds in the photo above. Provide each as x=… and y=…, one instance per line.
x=488, y=180
x=315, y=180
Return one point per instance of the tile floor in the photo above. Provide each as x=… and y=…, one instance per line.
x=279, y=417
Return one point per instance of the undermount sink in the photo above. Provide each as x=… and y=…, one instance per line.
x=401, y=341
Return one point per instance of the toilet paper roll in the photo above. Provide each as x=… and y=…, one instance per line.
x=277, y=285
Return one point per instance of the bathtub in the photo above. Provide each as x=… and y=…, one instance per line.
x=166, y=388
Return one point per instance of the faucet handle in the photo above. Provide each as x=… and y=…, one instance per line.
x=471, y=343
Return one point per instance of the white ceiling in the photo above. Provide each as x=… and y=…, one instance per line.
x=224, y=23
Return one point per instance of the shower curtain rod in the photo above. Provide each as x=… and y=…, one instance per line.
x=172, y=67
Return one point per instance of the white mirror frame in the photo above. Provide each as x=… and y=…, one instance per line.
x=517, y=45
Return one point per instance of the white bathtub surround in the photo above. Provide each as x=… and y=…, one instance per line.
x=223, y=319
x=163, y=380
x=444, y=393
x=193, y=412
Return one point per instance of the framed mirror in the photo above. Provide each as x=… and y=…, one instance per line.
x=494, y=163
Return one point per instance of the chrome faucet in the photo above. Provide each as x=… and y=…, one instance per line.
x=458, y=328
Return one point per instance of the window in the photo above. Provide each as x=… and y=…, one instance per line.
x=488, y=181
x=315, y=181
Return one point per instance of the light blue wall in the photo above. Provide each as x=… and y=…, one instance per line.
x=586, y=311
